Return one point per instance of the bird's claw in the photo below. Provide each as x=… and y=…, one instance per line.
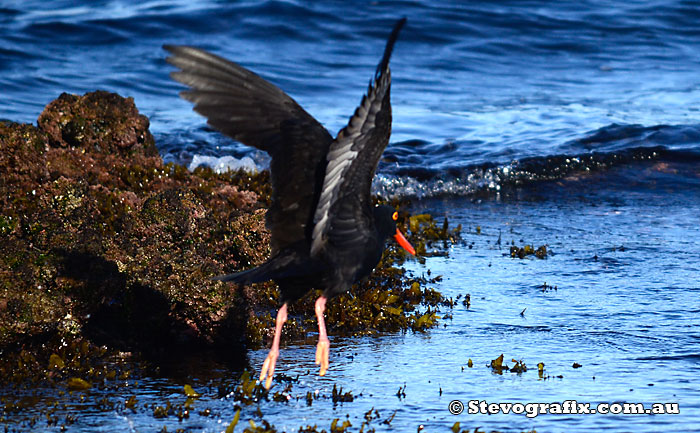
x=322, y=351
x=268, y=368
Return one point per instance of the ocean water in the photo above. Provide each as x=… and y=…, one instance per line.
x=571, y=124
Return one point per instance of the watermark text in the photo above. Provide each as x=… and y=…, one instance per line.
x=567, y=407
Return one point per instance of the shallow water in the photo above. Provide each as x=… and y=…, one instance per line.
x=483, y=95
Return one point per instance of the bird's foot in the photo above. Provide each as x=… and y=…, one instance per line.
x=268, y=368
x=322, y=351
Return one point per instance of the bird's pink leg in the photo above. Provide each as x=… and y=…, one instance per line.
x=268, y=368
x=323, y=347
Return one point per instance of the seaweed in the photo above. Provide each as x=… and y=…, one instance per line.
x=540, y=252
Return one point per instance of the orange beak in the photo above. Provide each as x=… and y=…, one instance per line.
x=404, y=243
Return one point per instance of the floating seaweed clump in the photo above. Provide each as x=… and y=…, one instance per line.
x=528, y=250
x=74, y=364
x=498, y=367
x=75, y=368
x=340, y=396
x=248, y=390
x=547, y=288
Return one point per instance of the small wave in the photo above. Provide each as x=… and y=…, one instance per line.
x=612, y=146
x=479, y=179
x=677, y=168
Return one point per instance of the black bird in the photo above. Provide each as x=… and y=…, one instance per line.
x=325, y=233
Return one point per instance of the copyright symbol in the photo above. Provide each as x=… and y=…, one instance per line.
x=455, y=407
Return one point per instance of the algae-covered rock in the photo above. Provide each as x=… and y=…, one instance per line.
x=23, y=156
x=98, y=121
x=95, y=228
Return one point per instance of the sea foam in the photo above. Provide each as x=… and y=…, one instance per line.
x=224, y=163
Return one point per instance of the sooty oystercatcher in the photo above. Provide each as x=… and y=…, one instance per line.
x=325, y=233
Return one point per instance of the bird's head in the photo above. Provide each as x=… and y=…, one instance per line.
x=385, y=218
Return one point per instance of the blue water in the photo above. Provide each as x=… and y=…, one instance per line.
x=572, y=124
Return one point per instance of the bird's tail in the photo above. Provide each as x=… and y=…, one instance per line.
x=249, y=276
x=285, y=265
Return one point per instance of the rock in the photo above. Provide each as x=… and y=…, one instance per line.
x=95, y=227
x=98, y=121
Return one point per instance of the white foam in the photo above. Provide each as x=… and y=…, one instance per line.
x=478, y=179
x=224, y=163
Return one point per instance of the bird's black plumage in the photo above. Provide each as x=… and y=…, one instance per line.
x=307, y=165
x=255, y=112
x=325, y=233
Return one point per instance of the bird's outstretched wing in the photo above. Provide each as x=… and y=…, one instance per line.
x=257, y=113
x=341, y=216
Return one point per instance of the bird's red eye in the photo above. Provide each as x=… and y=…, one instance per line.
x=395, y=216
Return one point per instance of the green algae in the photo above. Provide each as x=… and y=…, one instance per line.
x=233, y=422
x=56, y=362
x=190, y=392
